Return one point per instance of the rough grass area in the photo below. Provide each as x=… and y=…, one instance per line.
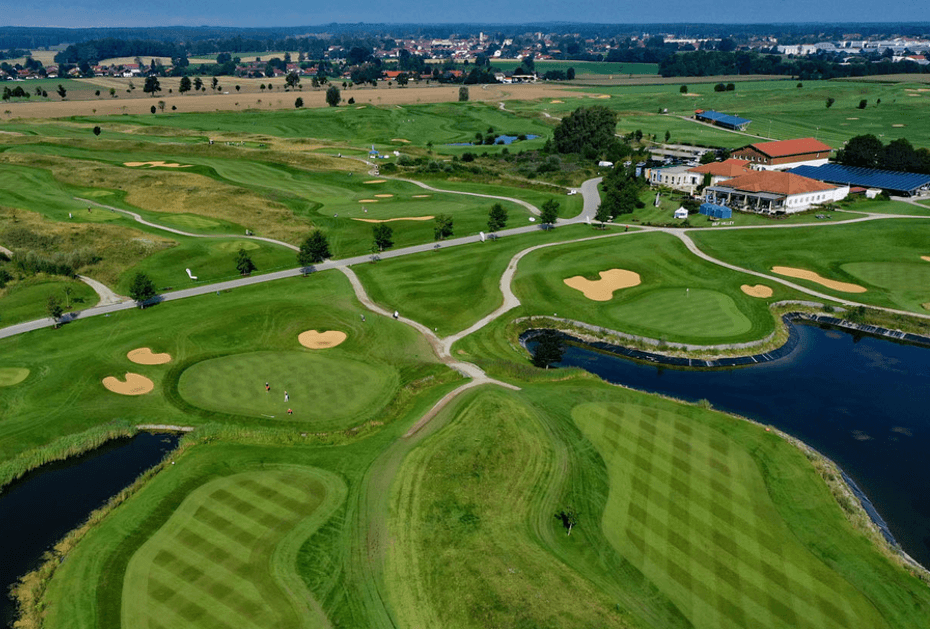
x=27, y=299
x=883, y=256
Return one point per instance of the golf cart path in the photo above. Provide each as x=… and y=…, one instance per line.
x=107, y=296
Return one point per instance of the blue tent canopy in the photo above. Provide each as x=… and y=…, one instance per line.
x=716, y=211
x=724, y=120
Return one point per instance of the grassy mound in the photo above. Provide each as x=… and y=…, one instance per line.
x=226, y=556
x=326, y=388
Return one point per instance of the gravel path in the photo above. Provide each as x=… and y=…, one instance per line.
x=107, y=296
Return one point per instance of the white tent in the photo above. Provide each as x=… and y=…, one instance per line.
x=681, y=213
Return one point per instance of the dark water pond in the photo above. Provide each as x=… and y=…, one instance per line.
x=501, y=139
x=40, y=508
x=861, y=401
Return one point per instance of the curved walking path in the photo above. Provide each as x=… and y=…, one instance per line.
x=529, y=206
x=107, y=296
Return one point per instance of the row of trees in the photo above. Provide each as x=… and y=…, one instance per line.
x=868, y=151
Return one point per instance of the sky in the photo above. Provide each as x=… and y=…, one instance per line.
x=86, y=13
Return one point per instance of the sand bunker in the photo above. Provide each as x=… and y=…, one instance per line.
x=321, y=340
x=897, y=125
x=400, y=140
x=603, y=289
x=925, y=258
x=153, y=164
x=691, y=94
x=135, y=384
x=759, y=290
x=801, y=274
x=602, y=96
x=422, y=196
x=391, y=220
x=144, y=356
x=368, y=201
x=852, y=119
x=383, y=196
x=376, y=181
x=556, y=102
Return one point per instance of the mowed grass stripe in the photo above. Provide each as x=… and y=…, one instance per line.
x=714, y=557
x=215, y=562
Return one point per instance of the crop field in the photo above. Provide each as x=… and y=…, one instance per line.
x=584, y=68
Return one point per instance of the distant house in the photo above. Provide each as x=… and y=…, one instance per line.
x=773, y=192
x=784, y=154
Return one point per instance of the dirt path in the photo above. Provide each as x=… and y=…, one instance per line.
x=106, y=295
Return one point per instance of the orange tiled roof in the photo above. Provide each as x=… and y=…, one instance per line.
x=784, y=148
x=776, y=182
x=727, y=168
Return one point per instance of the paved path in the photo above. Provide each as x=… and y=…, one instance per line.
x=6, y=251
x=107, y=296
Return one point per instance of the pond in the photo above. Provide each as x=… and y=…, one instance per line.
x=500, y=139
x=40, y=508
x=859, y=400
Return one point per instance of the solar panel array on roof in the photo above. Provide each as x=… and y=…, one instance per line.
x=892, y=180
x=723, y=119
x=717, y=211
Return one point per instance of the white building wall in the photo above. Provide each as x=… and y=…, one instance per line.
x=800, y=202
x=790, y=165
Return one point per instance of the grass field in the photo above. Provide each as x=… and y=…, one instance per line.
x=680, y=299
x=27, y=300
x=885, y=257
x=584, y=68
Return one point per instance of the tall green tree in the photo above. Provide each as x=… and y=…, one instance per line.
x=152, y=86
x=548, y=349
x=142, y=288
x=314, y=249
x=54, y=308
x=198, y=84
x=184, y=85
x=244, y=263
x=589, y=131
x=463, y=94
x=497, y=218
x=862, y=150
x=549, y=213
x=62, y=91
x=333, y=96
x=383, y=236
x=443, y=227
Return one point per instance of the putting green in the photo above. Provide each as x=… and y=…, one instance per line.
x=12, y=375
x=192, y=221
x=323, y=388
x=909, y=280
x=236, y=245
x=690, y=508
x=694, y=312
x=227, y=556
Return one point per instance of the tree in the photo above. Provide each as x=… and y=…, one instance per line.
x=603, y=214
x=142, y=288
x=668, y=135
x=549, y=212
x=443, y=227
x=570, y=74
x=314, y=249
x=683, y=89
x=463, y=94
x=54, y=309
x=548, y=349
x=62, y=91
x=151, y=85
x=185, y=85
x=900, y=155
x=863, y=103
x=383, y=236
x=333, y=96
x=830, y=102
x=299, y=102
x=244, y=262
x=568, y=517
x=587, y=130
x=112, y=92
x=497, y=218
x=198, y=84
x=292, y=80
x=403, y=79
x=862, y=150
x=161, y=106
x=215, y=83
x=153, y=109
x=720, y=87
x=97, y=130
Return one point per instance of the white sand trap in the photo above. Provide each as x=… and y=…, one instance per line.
x=691, y=94
x=383, y=196
x=135, y=384
x=376, y=181
x=923, y=89
x=852, y=119
x=801, y=274
x=422, y=196
x=144, y=356
x=153, y=164
x=400, y=140
x=897, y=125
x=556, y=102
x=391, y=220
x=925, y=258
x=321, y=340
x=368, y=200
x=759, y=290
x=603, y=289
x=601, y=96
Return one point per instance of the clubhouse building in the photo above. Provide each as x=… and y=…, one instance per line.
x=773, y=192
x=784, y=154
